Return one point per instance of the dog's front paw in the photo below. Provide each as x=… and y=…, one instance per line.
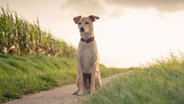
x=80, y=93
x=75, y=92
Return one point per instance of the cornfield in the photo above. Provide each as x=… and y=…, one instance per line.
x=19, y=37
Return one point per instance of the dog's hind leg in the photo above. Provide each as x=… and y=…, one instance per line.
x=97, y=81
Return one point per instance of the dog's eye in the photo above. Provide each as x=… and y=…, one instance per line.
x=87, y=22
x=79, y=23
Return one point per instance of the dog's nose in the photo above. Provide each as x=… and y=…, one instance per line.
x=82, y=29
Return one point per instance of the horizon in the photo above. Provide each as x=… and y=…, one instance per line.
x=128, y=33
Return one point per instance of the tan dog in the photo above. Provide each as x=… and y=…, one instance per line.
x=88, y=60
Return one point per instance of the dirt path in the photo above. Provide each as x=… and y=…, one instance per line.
x=59, y=95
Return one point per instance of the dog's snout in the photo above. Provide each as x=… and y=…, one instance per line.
x=82, y=29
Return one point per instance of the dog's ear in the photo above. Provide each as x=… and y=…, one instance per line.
x=76, y=19
x=92, y=17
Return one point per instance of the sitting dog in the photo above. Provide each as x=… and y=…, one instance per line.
x=87, y=56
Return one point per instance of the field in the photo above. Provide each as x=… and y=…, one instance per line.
x=32, y=60
x=21, y=75
x=20, y=37
x=161, y=82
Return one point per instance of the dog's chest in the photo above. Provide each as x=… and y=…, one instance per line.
x=86, y=57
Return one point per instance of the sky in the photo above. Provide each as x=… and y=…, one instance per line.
x=129, y=32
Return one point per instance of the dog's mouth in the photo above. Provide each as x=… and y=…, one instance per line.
x=82, y=29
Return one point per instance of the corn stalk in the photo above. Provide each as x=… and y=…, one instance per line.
x=18, y=36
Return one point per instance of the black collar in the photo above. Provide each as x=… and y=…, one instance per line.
x=88, y=40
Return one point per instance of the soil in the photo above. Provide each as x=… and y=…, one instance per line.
x=59, y=95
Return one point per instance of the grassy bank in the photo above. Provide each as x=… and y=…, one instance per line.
x=21, y=75
x=161, y=82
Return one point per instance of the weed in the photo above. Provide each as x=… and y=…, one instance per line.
x=159, y=83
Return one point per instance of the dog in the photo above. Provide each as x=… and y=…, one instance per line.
x=87, y=56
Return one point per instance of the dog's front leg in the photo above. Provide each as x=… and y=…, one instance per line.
x=92, y=87
x=81, y=85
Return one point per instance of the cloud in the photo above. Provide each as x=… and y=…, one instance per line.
x=115, y=8
x=87, y=7
x=83, y=7
x=160, y=5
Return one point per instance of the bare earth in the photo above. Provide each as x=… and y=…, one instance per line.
x=59, y=95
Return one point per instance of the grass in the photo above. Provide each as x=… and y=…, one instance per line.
x=105, y=72
x=161, y=82
x=21, y=75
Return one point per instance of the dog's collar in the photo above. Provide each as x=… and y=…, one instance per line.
x=88, y=40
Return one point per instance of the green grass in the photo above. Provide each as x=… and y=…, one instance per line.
x=161, y=82
x=105, y=72
x=21, y=75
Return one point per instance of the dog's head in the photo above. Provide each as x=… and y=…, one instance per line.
x=85, y=24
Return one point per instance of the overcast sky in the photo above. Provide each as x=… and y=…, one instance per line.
x=128, y=33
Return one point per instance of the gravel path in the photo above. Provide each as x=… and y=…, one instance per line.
x=59, y=95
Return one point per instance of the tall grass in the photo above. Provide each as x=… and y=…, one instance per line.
x=21, y=75
x=162, y=82
x=18, y=36
x=28, y=74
